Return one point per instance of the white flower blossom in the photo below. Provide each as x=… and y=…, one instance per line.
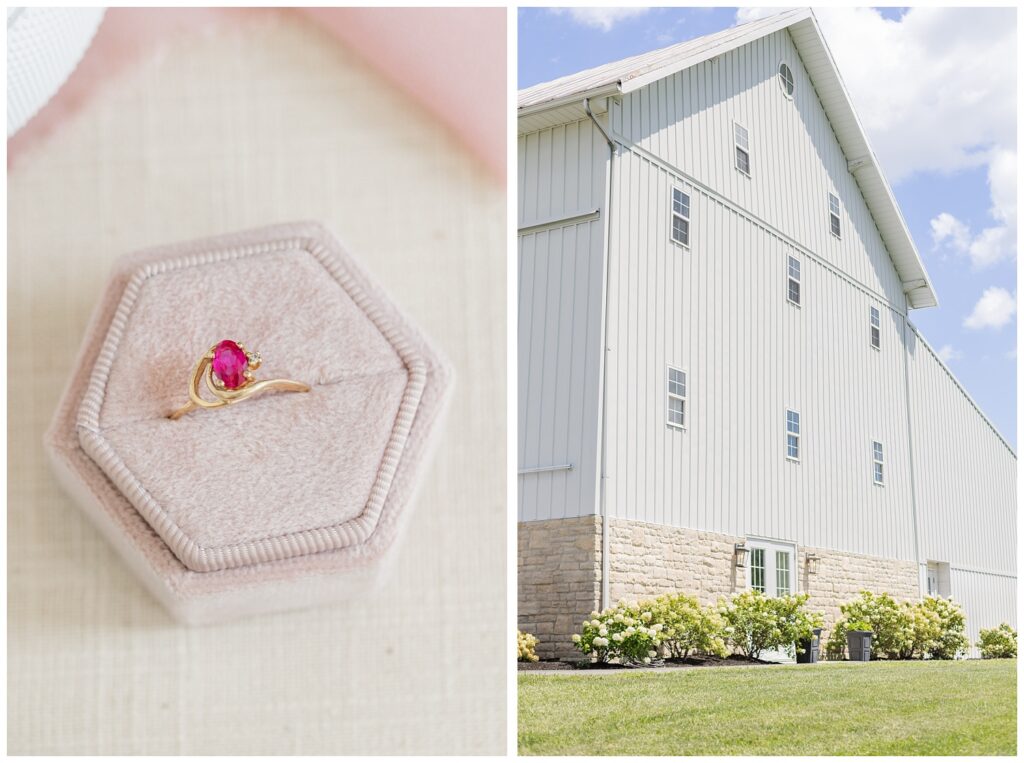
x=616, y=637
x=647, y=660
x=652, y=653
x=630, y=630
x=575, y=638
x=646, y=616
x=603, y=632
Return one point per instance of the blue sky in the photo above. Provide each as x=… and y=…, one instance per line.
x=951, y=163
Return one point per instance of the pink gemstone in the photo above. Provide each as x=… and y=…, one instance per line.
x=230, y=364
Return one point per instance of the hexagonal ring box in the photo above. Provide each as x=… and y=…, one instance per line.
x=280, y=501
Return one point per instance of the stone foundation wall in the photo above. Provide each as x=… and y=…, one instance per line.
x=841, y=576
x=649, y=559
x=560, y=573
x=559, y=580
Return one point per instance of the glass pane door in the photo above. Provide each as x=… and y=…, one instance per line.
x=772, y=568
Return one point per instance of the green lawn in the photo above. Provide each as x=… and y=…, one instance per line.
x=879, y=708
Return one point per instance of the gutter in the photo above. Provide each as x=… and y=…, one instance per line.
x=567, y=100
x=602, y=497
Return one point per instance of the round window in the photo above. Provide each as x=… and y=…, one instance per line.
x=786, y=80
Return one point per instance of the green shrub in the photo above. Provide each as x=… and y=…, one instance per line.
x=997, y=643
x=625, y=633
x=688, y=628
x=889, y=622
x=944, y=625
x=934, y=628
x=755, y=623
x=527, y=642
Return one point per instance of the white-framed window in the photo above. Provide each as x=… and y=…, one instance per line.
x=676, y=415
x=783, y=584
x=680, y=217
x=742, y=139
x=878, y=460
x=757, y=570
x=793, y=281
x=876, y=328
x=792, y=435
x=833, y=215
x=786, y=79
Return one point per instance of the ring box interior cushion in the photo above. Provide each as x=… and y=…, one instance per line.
x=295, y=491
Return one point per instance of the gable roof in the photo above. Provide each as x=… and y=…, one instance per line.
x=565, y=96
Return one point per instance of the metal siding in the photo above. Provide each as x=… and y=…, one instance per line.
x=719, y=311
x=796, y=158
x=966, y=474
x=561, y=174
x=987, y=600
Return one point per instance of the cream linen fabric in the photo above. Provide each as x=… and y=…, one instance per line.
x=248, y=125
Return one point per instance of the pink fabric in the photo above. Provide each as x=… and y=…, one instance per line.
x=329, y=433
x=450, y=60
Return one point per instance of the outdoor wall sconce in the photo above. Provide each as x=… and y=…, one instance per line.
x=812, y=564
x=740, y=552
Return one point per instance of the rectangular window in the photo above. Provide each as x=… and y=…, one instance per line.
x=757, y=569
x=680, y=217
x=792, y=435
x=876, y=328
x=879, y=462
x=742, y=148
x=793, y=289
x=676, y=398
x=782, y=573
x=833, y=215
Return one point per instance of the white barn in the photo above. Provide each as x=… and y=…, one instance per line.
x=719, y=385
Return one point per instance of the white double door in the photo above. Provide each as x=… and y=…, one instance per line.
x=772, y=567
x=772, y=571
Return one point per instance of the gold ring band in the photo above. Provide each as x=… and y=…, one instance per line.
x=227, y=367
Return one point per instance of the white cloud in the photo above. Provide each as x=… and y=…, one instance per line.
x=994, y=310
x=997, y=242
x=949, y=354
x=600, y=18
x=947, y=230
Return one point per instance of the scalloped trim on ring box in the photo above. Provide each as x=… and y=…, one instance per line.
x=193, y=555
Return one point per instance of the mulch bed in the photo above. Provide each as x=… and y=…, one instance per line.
x=733, y=660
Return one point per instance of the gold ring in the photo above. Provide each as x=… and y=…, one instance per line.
x=228, y=368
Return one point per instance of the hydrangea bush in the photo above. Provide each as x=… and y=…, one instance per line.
x=626, y=633
x=946, y=634
x=755, y=623
x=527, y=644
x=997, y=643
x=689, y=628
x=889, y=622
x=933, y=628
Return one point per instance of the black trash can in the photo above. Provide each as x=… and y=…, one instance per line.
x=810, y=648
x=858, y=643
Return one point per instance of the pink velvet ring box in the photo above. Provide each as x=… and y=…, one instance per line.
x=280, y=501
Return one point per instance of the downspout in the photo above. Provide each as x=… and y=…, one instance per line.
x=603, y=390
x=910, y=454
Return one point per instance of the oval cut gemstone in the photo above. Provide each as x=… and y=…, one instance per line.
x=229, y=363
